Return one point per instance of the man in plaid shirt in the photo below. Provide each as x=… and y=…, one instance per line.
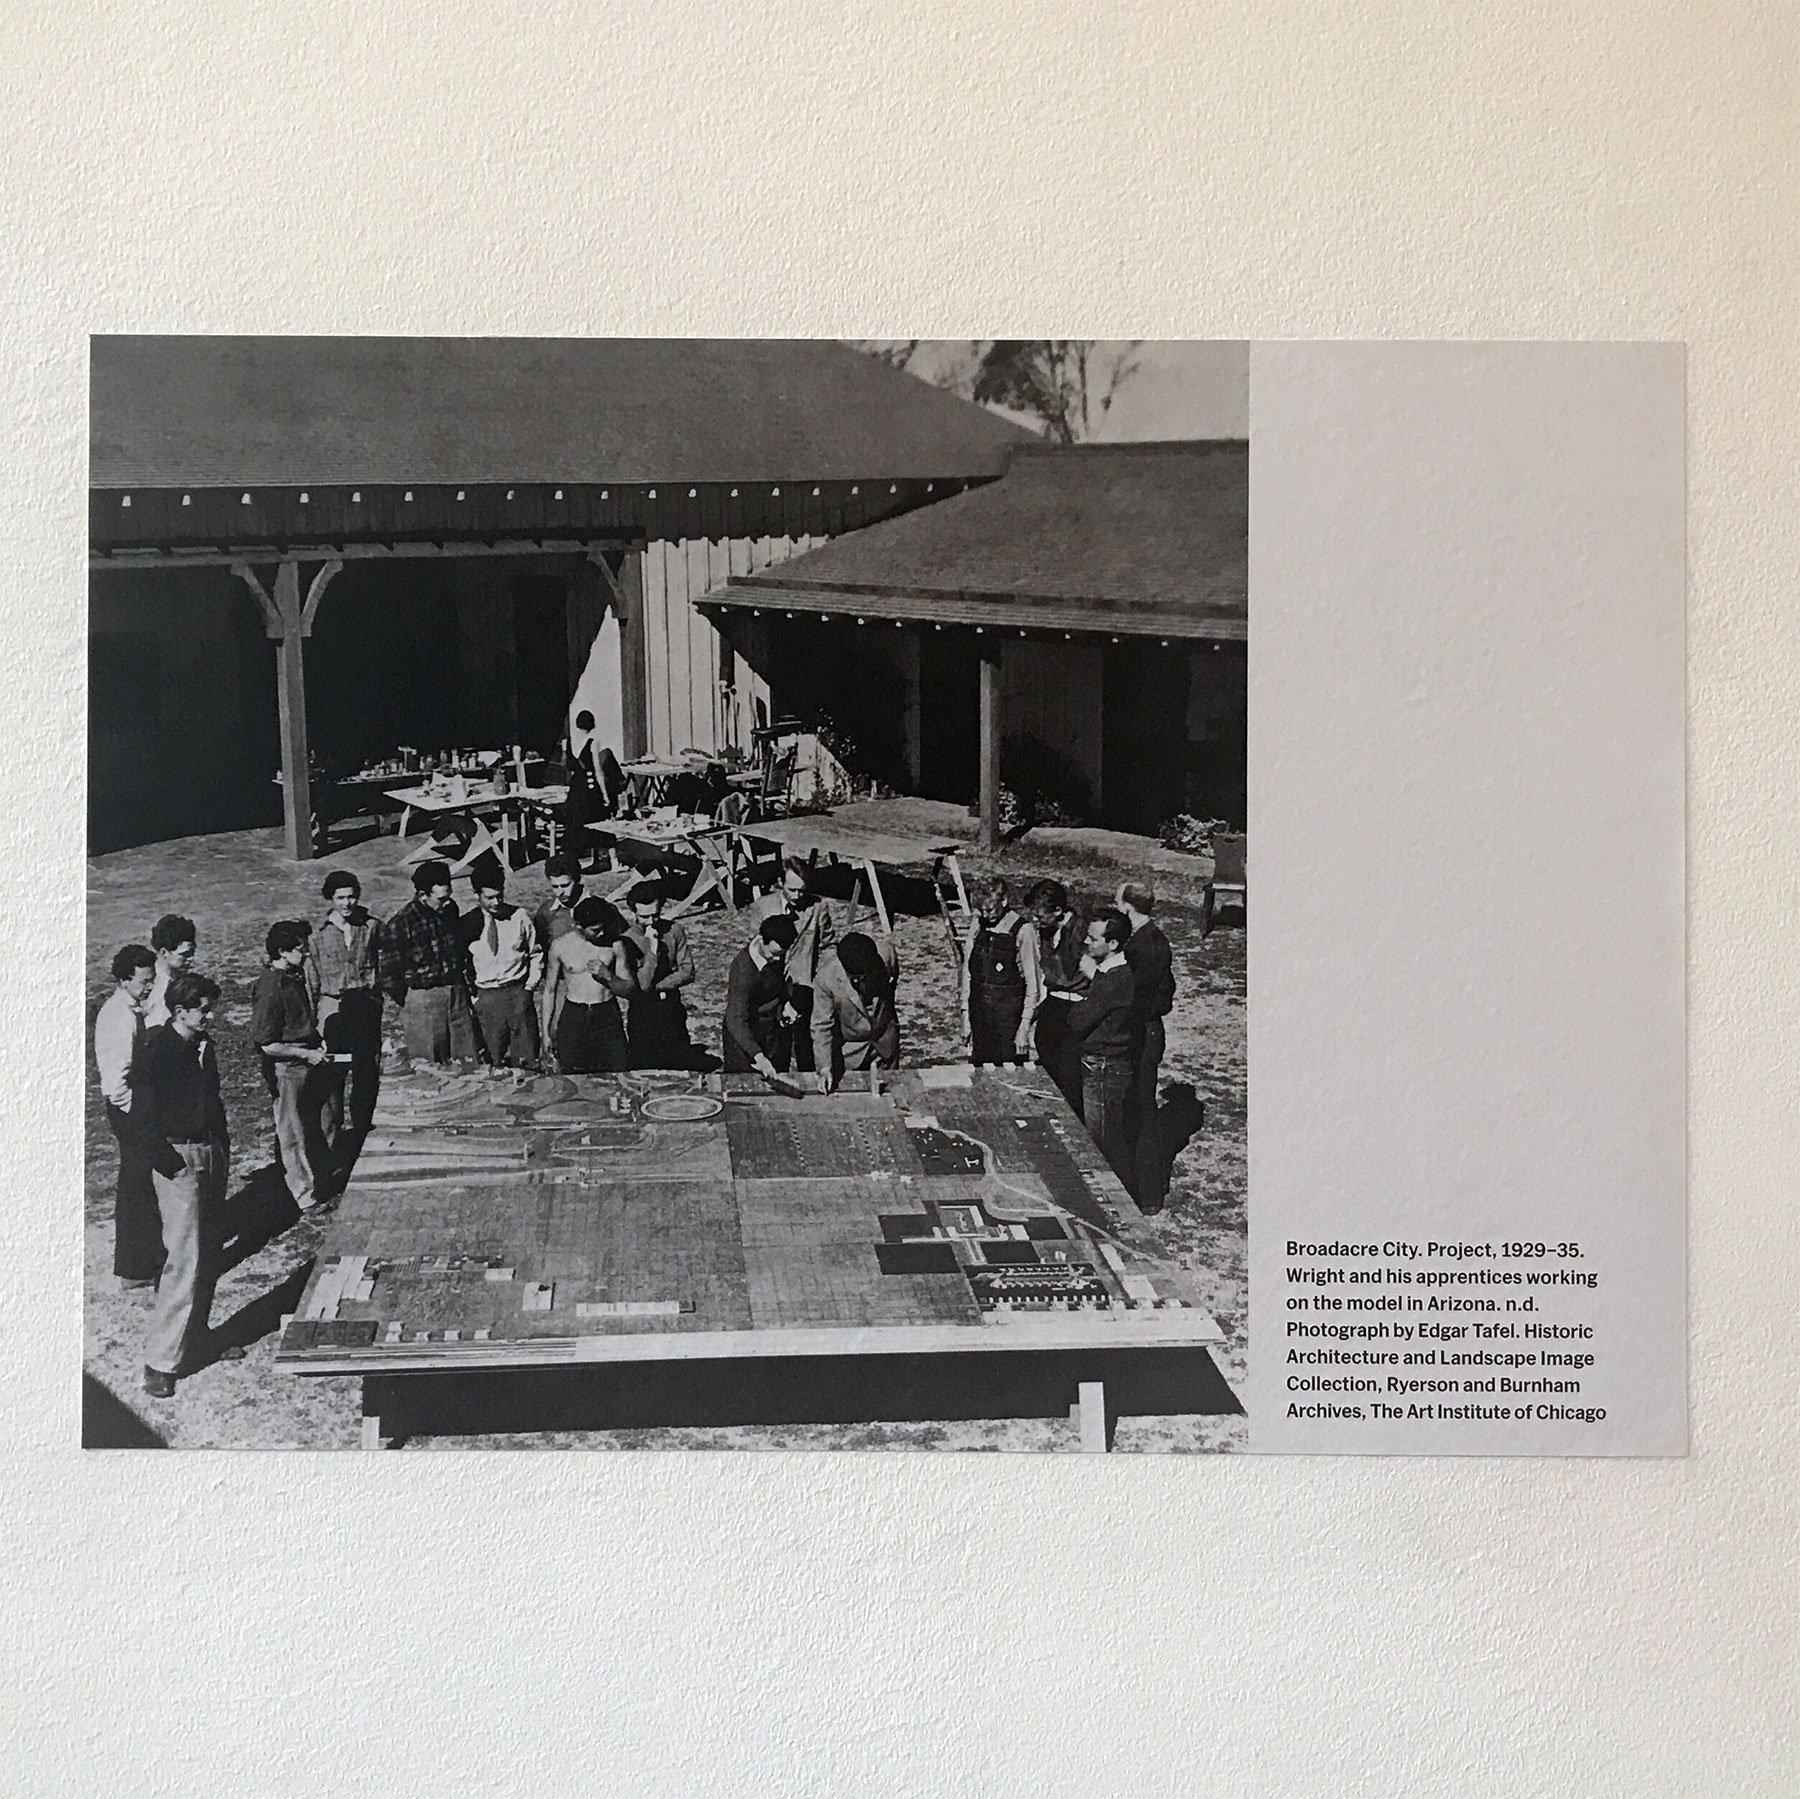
x=424, y=967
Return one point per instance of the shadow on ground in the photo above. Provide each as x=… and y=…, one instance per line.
x=107, y=1422
x=255, y=1215
x=263, y=1315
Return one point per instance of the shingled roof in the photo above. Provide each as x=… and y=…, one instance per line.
x=1147, y=539
x=169, y=412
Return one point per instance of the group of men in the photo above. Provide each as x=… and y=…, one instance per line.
x=580, y=987
x=801, y=996
x=1089, y=997
x=543, y=989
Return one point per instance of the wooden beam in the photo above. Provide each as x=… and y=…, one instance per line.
x=880, y=899
x=287, y=623
x=990, y=653
x=230, y=555
x=315, y=592
x=272, y=625
x=1090, y=1411
x=609, y=575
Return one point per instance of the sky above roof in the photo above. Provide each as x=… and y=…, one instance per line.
x=1183, y=388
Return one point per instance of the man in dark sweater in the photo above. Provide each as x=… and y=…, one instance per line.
x=1100, y=1035
x=424, y=969
x=285, y=1028
x=179, y=1118
x=756, y=995
x=1152, y=965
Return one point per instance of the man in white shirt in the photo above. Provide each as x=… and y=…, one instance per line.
x=137, y=1224
x=508, y=959
x=173, y=938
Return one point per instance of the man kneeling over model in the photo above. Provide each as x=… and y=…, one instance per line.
x=758, y=1035
x=853, y=1021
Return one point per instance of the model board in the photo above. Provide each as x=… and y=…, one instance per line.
x=512, y=1220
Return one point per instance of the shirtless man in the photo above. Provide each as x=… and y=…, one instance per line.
x=589, y=969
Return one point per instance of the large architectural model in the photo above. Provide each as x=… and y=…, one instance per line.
x=504, y=1221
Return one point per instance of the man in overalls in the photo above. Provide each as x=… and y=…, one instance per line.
x=1001, y=985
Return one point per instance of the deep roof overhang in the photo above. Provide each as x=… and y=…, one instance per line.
x=203, y=524
x=1025, y=614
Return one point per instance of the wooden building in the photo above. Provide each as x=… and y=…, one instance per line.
x=1076, y=629
x=324, y=548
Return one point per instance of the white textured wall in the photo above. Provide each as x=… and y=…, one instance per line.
x=431, y=1624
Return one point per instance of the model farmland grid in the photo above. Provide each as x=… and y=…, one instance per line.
x=505, y=1219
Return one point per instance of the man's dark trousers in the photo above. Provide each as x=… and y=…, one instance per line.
x=354, y=1029
x=1105, y=1101
x=1150, y=1174
x=137, y=1219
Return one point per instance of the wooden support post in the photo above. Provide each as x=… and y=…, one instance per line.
x=937, y=893
x=288, y=621
x=990, y=742
x=290, y=683
x=912, y=710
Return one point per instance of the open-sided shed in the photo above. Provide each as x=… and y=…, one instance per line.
x=479, y=511
x=1077, y=627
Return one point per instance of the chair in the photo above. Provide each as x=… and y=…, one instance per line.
x=1227, y=878
x=776, y=798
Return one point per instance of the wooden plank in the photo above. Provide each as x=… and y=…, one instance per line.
x=1049, y=614
x=702, y=691
x=265, y=604
x=718, y=572
x=962, y=892
x=1092, y=1407
x=881, y=911
x=315, y=592
x=633, y=655
x=1130, y=1330
x=328, y=1290
x=824, y=834
x=656, y=648
x=937, y=893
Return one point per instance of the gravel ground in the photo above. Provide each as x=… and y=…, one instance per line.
x=234, y=885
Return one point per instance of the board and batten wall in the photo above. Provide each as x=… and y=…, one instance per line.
x=698, y=694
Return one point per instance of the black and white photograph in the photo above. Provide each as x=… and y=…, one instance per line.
x=659, y=893
x=607, y=856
